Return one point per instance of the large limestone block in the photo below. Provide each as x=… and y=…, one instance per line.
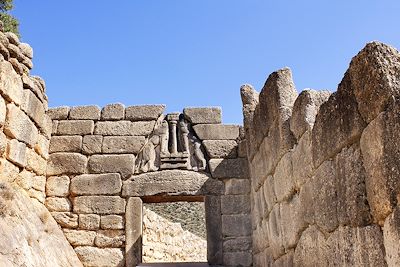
x=275, y=232
x=302, y=161
x=375, y=78
x=66, y=219
x=273, y=113
x=16, y=153
x=67, y=143
x=35, y=162
x=110, y=238
x=112, y=222
x=92, y=144
x=305, y=110
x=123, y=144
x=391, y=235
x=75, y=127
x=96, y=184
x=57, y=186
x=238, y=244
x=380, y=149
x=100, y=257
x=144, y=113
x=124, y=128
x=33, y=107
x=217, y=131
x=258, y=167
x=229, y=168
x=359, y=246
x=29, y=234
x=239, y=258
x=84, y=113
x=26, y=49
x=10, y=83
x=293, y=222
x=208, y=115
x=19, y=126
x=58, y=113
x=66, y=163
x=172, y=182
x=113, y=112
x=249, y=98
x=58, y=204
x=338, y=123
x=236, y=225
x=283, y=178
x=237, y=187
x=42, y=146
x=239, y=204
x=99, y=204
x=89, y=221
x=123, y=164
x=80, y=237
x=221, y=148
x=269, y=193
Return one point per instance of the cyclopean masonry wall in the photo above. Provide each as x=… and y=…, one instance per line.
x=104, y=163
x=27, y=229
x=325, y=167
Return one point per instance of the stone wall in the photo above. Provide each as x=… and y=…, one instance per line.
x=166, y=241
x=29, y=235
x=100, y=159
x=325, y=167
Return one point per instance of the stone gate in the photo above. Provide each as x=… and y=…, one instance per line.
x=104, y=163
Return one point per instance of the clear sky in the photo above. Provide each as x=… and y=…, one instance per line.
x=195, y=53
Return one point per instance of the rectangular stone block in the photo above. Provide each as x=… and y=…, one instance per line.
x=58, y=204
x=144, y=113
x=99, y=204
x=112, y=222
x=85, y=113
x=35, y=162
x=33, y=107
x=57, y=186
x=68, y=143
x=236, y=225
x=89, y=221
x=92, y=256
x=64, y=163
x=217, y=131
x=113, y=112
x=239, y=204
x=80, y=237
x=123, y=144
x=238, y=244
x=207, y=115
x=42, y=146
x=92, y=144
x=214, y=230
x=221, y=148
x=66, y=219
x=123, y=164
x=241, y=258
x=237, y=187
x=96, y=184
x=19, y=126
x=16, y=153
x=133, y=231
x=122, y=128
x=58, y=113
x=229, y=168
x=110, y=238
x=75, y=127
x=10, y=83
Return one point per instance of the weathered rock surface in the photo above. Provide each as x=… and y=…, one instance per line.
x=28, y=231
x=172, y=182
x=203, y=115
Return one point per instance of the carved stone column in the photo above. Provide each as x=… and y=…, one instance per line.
x=173, y=121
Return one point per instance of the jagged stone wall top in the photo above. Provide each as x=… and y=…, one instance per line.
x=325, y=167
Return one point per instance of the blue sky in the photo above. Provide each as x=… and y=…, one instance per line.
x=195, y=53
